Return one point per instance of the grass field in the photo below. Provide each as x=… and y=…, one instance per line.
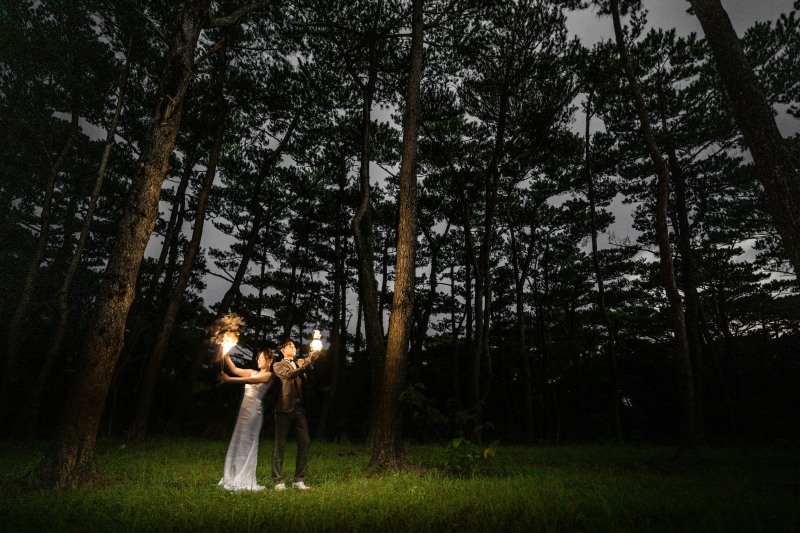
x=170, y=485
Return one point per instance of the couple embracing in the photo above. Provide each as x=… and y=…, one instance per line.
x=288, y=373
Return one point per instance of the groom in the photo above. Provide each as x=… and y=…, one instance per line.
x=290, y=413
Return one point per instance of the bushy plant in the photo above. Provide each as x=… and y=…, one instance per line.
x=464, y=458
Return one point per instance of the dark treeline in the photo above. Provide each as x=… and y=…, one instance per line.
x=290, y=151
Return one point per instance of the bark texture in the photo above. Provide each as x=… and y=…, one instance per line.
x=776, y=169
x=387, y=445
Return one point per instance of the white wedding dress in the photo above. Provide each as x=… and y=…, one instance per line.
x=242, y=457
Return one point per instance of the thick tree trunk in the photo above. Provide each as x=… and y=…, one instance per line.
x=16, y=329
x=29, y=414
x=776, y=169
x=387, y=444
x=686, y=416
x=147, y=387
x=71, y=457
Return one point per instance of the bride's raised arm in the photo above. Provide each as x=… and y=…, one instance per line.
x=233, y=369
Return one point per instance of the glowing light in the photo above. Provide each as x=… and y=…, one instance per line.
x=229, y=340
x=316, y=344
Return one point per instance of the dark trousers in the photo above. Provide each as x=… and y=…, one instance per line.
x=283, y=423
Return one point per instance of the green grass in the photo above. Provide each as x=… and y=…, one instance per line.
x=170, y=485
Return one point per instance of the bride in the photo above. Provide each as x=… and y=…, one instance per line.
x=242, y=457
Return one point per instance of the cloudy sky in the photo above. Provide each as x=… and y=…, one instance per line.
x=590, y=28
x=672, y=14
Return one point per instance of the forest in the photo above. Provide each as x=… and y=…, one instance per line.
x=436, y=185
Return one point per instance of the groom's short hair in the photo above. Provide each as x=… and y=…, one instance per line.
x=284, y=344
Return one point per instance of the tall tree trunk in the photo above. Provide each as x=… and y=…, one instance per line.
x=423, y=317
x=541, y=348
x=686, y=417
x=361, y=226
x=384, y=276
x=454, y=350
x=520, y=278
x=193, y=371
x=776, y=168
x=257, y=211
x=334, y=350
x=70, y=459
x=688, y=274
x=722, y=380
x=173, y=225
x=611, y=346
x=359, y=338
x=480, y=357
x=387, y=444
x=29, y=414
x=141, y=414
x=473, y=382
x=552, y=413
x=16, y=329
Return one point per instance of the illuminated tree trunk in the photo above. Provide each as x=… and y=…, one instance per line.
x=387, y=444
x=70, y=459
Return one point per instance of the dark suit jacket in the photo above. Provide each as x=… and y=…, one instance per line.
x=292, y=384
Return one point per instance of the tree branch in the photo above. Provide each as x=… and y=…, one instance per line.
x=211, y=51
x=219, y=22
x=154, y=26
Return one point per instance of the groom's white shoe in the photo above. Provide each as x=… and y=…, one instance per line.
x=280, y=486
x=300, y=485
